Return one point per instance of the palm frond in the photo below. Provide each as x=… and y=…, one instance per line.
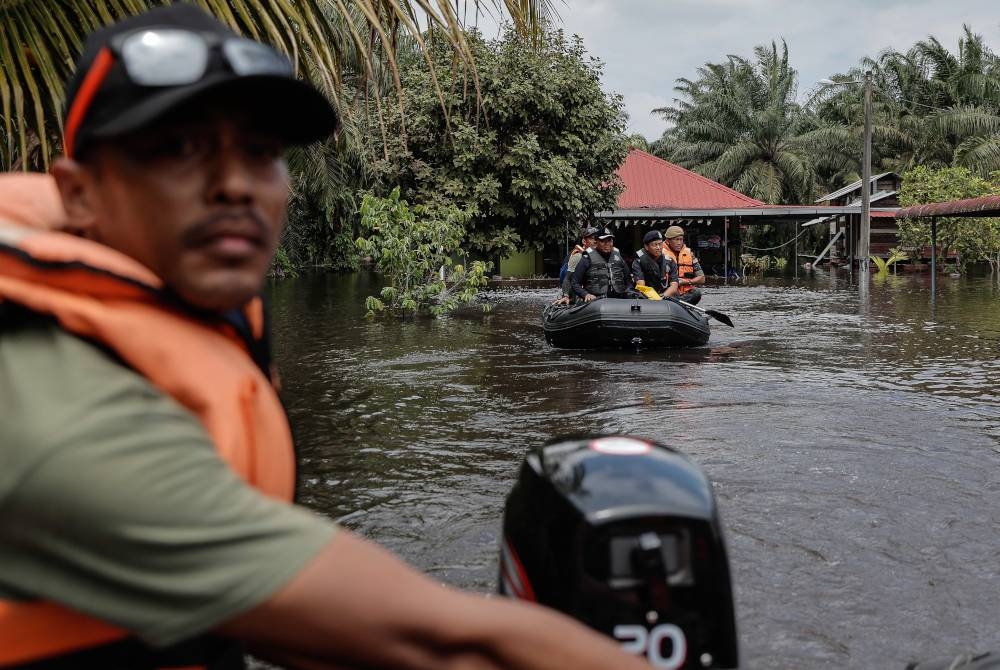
x=339, y=44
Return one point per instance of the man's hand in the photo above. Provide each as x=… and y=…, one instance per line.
x=562, y=301
x=589, y=297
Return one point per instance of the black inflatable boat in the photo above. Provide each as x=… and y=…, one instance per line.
x=623, y=323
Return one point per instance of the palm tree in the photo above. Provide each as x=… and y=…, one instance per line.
x=339, y=44
x=739, y=124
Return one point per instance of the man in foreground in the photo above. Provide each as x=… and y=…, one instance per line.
x=602, y=272
x=147, y=467
x=689, y=272
x=654, y=268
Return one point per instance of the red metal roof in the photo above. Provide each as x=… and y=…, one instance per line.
x=985, y=206
x=652, y=182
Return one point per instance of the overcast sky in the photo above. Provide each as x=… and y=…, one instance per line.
x=647, y=44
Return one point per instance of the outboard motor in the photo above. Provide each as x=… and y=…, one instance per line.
x=623, y=534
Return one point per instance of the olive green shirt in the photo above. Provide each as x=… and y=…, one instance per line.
x=114, y=502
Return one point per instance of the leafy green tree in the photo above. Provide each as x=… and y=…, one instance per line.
x=413, y=248
x=539, y=149
x=931, y=107
x=346, y=48
x=972, y=238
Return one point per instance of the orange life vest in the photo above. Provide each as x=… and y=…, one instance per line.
x=685, y=265
x=100, y=294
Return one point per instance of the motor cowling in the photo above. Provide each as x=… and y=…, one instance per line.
x=624, y=535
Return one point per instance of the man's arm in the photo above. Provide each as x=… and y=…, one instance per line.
x=672, y=290
x=357, y=605
x=699, y=275
x=567, y=285
x=637, y=274
x=578, y=276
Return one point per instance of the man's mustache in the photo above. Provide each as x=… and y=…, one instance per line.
x=205, y=228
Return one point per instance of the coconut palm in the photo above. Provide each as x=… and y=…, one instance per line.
x=739, y=124
x=339, y=43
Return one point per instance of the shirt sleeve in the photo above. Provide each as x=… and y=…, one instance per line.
x=637, y=274
x=696, y=264
x=671, y=270
x=567, y=285
x=114, y=502
x=578, y=275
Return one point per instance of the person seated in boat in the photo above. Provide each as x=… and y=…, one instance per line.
x=654, y=268
x=588, y=236
x=689, y=272
x=602, y=272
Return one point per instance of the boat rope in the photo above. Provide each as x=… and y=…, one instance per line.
x=785, y=244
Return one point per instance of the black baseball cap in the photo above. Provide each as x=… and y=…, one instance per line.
x=588, y=231
x=605, y=234
x=651, y=236
x=102, y=101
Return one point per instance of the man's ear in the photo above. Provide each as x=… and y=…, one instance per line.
x=76, y=186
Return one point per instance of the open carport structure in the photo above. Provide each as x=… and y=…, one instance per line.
x=986, y=206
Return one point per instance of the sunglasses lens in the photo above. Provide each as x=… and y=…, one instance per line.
x=248, y=58
x=164, y=57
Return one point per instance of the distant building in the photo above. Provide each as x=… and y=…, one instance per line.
x=658, y=194
x=884, y=192
x=672, y=196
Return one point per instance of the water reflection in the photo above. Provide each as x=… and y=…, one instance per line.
x=854, y=444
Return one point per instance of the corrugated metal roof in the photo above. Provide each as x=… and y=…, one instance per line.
x=881, y=195
x=985, y=206
x=850, y=187
x=872, y=214
x=653, y=183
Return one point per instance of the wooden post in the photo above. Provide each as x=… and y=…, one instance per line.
x=866, y=187
x=725, y=247
x=933, y=256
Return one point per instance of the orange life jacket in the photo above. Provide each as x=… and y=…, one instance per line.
x=100, y=294
x=685, y=265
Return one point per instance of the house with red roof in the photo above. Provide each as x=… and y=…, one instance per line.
x=658, y=193
x=653, y=183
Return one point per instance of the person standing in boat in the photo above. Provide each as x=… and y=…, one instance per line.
x=654, y=268
x=602, y=272
x=588, y=237
x=689, y=272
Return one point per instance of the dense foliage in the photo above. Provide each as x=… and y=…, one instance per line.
x=414, y=250
x=340, y=46
x=538, y=149
x=738, y=122
x=973, y=238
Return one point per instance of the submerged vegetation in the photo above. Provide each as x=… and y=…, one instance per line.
x=971, y=238
x=414, y=250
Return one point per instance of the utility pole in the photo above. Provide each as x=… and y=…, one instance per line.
x=864, y=240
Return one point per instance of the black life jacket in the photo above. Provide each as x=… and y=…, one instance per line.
x=652, y=271
x=606, y=277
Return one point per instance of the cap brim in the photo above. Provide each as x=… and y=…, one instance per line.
x=297, y=111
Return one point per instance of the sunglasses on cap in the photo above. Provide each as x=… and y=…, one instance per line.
x=177, y=56
x=170, y=56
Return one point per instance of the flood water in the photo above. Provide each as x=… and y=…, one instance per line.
x=854, y=445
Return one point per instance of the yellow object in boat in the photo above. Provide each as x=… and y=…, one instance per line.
x=649, y=292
